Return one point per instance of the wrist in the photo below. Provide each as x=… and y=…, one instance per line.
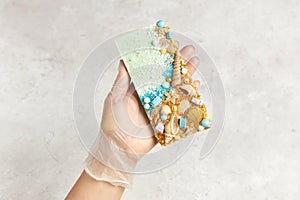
x=102, y=172
x=88, y=188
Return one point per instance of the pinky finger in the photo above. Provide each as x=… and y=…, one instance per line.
x=193, y=64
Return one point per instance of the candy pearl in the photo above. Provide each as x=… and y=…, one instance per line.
x=169, y=35
x=147, y=100
x=161, y=23
x=166, y=84
x=147, y=106
x=200, y=128
x=174, y=108
x=184, y=71
x=168, y=80
x=163, y=117
x=165, y=110
x=163, y=51
x=205, y=123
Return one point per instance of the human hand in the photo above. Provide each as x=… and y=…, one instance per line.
x=125, y=131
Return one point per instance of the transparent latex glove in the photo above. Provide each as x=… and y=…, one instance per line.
x=125, y=131
x=125, y=134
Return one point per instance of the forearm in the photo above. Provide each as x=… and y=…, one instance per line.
x=87, y=188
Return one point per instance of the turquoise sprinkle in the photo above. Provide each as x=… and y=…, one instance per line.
x=182, y=123
x=156, y=101
x=155, y=96
x=169, y=35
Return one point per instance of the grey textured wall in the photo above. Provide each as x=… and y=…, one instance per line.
x=255, y=44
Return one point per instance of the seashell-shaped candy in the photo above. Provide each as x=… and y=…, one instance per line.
x=172, y=127
x=194, y=115
x=187, y=90
x=165, y=110
x=184, y=104
x=155, y=115
x=176, y=76
x=168, y=138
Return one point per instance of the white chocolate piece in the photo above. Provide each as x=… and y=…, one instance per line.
x=197, y=101
x=165, y=110
x=160, y=127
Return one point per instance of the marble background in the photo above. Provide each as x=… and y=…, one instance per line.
x=255, y=45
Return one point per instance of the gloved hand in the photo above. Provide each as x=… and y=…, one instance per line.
x=125, y=134
x=125, y=131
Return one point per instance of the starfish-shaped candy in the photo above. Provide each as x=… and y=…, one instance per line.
x=171, y=96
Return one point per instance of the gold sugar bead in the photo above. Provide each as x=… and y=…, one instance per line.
x=174, y=108
x=182, y=61
x=163, y=51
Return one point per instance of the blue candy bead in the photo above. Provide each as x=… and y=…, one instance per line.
x=169, y=35
x=161, y=23
x=205, y=123
x=156, y=101
x=182, y=123
x=163, y=117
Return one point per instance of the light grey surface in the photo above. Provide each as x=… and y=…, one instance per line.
x=255, y=44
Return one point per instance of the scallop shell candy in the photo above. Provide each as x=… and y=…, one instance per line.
x=184, y=105
x=187, y=90
x=194, y=115
x=165, y=110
